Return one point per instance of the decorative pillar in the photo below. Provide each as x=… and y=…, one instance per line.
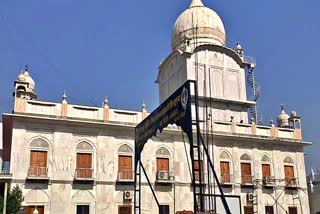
x=298, y=134
x=274, y=131
x=64, y=106
x=253, y=127
x=106, y=110
x=19, y=104
x=233, y=126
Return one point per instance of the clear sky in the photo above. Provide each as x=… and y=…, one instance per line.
x=94, y=49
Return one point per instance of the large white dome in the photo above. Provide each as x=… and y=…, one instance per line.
x=198, y=25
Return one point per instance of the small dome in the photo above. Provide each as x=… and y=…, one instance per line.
x=198, y=23
x=29, y=79
x=283, y=118
x=238, y=47
x=25, y=77
x=293, y=114
x=21, y=77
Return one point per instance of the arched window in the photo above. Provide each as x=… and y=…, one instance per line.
x=246, y=172
x=266, y=169
x=125, y=163
x=225, y=172
x=163, y=164
x=297, y=124
x=245, y=157
x=233, y=83
x=288, y=160
x=84, y=162
x=266, y=159
x=217, y=83
x=289, y=172
x=39, y=149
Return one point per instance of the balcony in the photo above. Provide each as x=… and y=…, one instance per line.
x=291, y=183
x=37, y=173
x=268, y=181
x=5, y=171
x=247, y=180
x=125, y=176
x=84, y=174
x=249, y=60
x=226, y=179
x=164, y=177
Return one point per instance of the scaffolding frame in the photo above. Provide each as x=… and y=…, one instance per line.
x=276, y=184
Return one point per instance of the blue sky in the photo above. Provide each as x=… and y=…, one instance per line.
x=94, y=49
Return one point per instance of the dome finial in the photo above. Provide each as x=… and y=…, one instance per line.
x=64, y=97
x=106, y=102
x=196, y=3
x=283, y=118
x=26, y=70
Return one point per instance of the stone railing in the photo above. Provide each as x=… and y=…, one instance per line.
x=65, y=110
x=105, y=114
x=267, y=132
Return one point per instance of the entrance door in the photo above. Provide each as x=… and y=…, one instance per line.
x=38, y=164
x=225, y=172
x=31, y=209
x=289, y=175
x=84, y=165
x=125, y=167
x=246, y=173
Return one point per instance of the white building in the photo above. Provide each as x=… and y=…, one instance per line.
x=79, y=159
x=314, y=191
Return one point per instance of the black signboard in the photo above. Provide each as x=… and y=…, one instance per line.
x=175, y=110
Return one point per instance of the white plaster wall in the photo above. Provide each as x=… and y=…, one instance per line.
x=62, y=196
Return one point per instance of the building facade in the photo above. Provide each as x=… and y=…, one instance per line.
x=314, y=191
x=79, y=159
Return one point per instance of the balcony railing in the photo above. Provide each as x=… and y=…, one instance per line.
x=226, y=178
x=249, y=60
x=268, y=180
x=291, y=182
x=247, y=179
x=5, y=171
x=38, y=172
x=125, y=175
x=84, y=173
x=164, y=176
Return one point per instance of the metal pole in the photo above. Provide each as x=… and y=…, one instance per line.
x=150, y=185
x=223, y=199
x=198, y=147
x=5, y=198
